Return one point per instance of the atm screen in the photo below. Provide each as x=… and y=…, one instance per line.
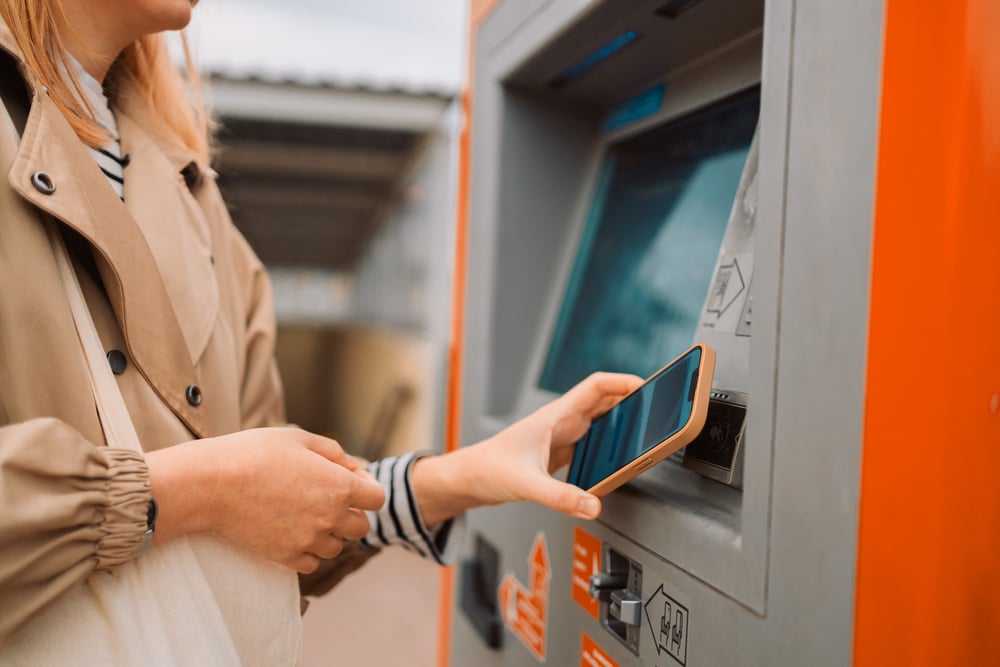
x=648, y=249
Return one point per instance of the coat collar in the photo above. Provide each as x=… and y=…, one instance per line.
x=135, y=289
x=129, y=101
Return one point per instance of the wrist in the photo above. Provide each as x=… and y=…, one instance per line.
x=444, y=486
x=183, y=482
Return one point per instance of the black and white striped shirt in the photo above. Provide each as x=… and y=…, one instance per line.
x=109, y=157
x=399, y=521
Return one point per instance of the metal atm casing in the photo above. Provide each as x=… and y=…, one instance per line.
x=766, y=575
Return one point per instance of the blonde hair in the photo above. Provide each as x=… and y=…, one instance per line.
x=146, y=62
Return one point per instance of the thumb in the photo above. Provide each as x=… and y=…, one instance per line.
x=563, y=497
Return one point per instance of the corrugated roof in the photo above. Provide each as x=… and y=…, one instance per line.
x=308, y=168
x=340, y=85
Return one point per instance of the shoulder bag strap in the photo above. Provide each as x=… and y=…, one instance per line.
x=115, y=420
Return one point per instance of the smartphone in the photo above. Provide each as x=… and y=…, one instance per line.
x=665, y=413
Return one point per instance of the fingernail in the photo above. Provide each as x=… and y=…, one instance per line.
x=588, y=507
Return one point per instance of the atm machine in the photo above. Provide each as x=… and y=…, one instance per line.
x=644, y=175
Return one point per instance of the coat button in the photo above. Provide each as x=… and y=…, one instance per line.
x=118, y=361
x=43, y=182
x=193, y=394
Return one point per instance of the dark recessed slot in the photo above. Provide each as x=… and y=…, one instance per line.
x=675, y=8
x=479, y=580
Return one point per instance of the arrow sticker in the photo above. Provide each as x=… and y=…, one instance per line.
x=729, y=284
x=525, y=610
x=668, y=623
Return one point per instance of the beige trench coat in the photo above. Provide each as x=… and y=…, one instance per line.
x=175, y=288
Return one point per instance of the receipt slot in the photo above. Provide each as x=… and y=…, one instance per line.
x=619, y=590
x=644, y=175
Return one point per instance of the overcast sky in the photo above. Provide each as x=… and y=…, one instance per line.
x=416, y=43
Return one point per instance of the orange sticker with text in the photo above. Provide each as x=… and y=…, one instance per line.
x=586, y=562
x=525, y=608
x=592, y=655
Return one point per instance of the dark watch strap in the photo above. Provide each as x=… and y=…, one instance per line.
x=147, y=540
x=151, y=512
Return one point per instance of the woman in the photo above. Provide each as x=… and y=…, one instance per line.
x=112, y=160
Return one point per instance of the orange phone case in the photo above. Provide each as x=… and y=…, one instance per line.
x=690, y=431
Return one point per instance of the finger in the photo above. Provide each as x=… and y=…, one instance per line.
x=365, y=493
x=329, y=450
x=305, y=563
x=563, y=497
x=327, y=546
x=600, y=391
x=353, y=525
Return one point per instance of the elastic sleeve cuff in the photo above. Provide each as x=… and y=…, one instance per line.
x=124, y=524
x=399, y=522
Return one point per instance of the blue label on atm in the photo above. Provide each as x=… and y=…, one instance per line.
x=635, y=108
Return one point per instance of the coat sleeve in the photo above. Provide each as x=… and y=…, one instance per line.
x=67, y=508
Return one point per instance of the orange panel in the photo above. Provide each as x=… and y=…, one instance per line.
x=928, y=589
x=478, y=11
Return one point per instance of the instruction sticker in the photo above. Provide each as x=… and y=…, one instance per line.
x=592, y=655
x=728, y=286
x=586, y=563
x=667, y=616
x=728, y=293
x=525, y=608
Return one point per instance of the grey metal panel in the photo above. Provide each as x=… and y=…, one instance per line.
x=521, y=204
x=835, y=86
x=484, y=195
x=533, y=35
x=661, y=45
x=542, y=162
x=504, y=20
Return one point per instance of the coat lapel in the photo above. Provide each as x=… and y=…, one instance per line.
x=175, y=229
x=83, y=200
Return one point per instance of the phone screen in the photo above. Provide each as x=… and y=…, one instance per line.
x=645, y=418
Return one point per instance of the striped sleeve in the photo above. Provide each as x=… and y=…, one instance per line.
x=399, y=521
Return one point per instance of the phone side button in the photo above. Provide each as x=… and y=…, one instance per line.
x=643, y=464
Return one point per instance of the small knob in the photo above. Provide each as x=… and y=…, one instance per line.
x=603, y=583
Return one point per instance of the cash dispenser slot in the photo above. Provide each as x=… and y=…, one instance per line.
x=618, y=588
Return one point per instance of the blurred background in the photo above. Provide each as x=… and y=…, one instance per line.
x=338, y=147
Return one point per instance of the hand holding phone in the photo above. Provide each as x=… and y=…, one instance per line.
x=664, y=414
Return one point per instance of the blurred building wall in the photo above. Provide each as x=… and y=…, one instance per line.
x=363, y=353
x=371, y=389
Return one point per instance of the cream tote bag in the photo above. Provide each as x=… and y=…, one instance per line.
x=193, y=601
